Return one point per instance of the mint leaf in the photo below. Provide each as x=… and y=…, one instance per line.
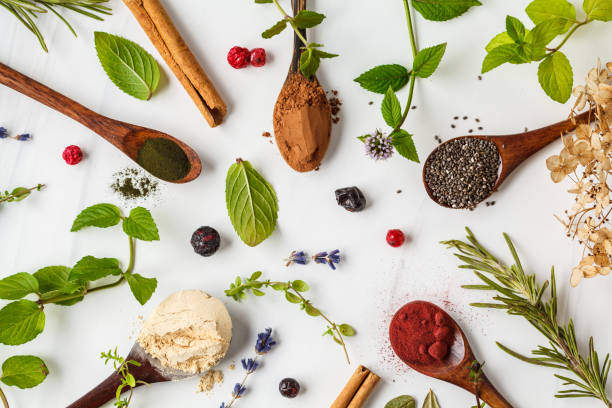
x=142, y=288
x=292, y=298
x=90, y=268
x=427, y=60
x=251, y=203
x=308, y=19
x=54, y=279
x=598, y=9
x=380, y=78
x=403, y=401
x=403, y=143
x=502, y=54
x=323, y=54
x=128, y=65
x=99, y=215
x=140, y=225
x=499, y=40
x=542, y=10
x=309, y=62
x=556, y=77
x=442, y=10
x=20, y=322
x=544, y=32
x=23, y=371
x=16, y=286
x=391, y=109
x=276, y=29
x=515, y=29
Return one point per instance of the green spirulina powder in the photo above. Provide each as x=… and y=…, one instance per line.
x=164, y=159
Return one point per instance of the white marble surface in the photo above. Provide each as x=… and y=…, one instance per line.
x=372, y=281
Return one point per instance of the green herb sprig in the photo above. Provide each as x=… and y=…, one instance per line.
x=519, y=294
x=311, y=52
x=476, y=378
x=18, y=194
x=552, y=19
x=293, y=291
x=26, y=11
x=122, y=369
x=23, y=319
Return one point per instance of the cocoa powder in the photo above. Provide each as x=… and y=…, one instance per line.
x=302, y=123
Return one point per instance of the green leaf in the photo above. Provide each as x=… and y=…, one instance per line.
x=24, y=371
x=442, y=10
x=380, y=78
x=309, y=62
x=17, y=286
x=501, y=55
x=403, y=401
x=292, y=297
x=323, y=54
x=130, y=380
x=280, y=286
x=308, y=19
x=346, y=330
x=515, y=29
x=403, y=143
x=312, y=311
x=90, y=268
x=300, y=286
x=391, y=109
x=55, y=279
x=256, y=275
x=556, y=77
x=128, y=65
x=542, y=10
x=427, y=60
x=263, y=1
x=140, y=225
x=276, y=29
x=20, y=322
x=99, y=215
x=498, y=40
x=142, y=288
x=546, y=31
x=598, y=9
x=431, y=401
x=251, y=203
x=20, y=193
x=257, y=292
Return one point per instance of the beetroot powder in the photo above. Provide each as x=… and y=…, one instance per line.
x=421, y=333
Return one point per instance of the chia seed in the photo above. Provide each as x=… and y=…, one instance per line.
x=463, y=172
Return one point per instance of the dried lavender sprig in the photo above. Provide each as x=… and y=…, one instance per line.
x=298, y=257
x=330, y=259
x=22, y=137
x=263, y=345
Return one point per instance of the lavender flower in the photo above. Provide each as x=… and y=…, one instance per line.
x=298, y=257
x=23, y=137
x=3, y=133
x=249, y=365
x=330, y=259
x=239, y=389
x=264, y=342
x=378, y=146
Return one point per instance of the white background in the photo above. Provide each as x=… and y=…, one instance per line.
x=373, y=279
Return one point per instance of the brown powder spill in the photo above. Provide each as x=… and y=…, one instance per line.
x=335, y=103
x=209, y=380
x=302, y=123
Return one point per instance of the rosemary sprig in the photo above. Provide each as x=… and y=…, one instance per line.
x=26, y=11
x=519, y=294
x=293, y=293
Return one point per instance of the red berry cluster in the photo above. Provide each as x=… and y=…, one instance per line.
x=72, y=155
x=239, y=57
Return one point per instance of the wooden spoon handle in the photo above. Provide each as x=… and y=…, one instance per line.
x=100, y=395
x=491, y=396
x=55, y=100
x=298, y=5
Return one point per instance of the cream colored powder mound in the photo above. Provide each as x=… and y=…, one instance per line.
x=189, y=331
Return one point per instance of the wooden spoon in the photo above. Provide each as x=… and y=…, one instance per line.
x=516, y=148
x=126, y=137
x=150, y=372
x=455, y=369
x=303, y=147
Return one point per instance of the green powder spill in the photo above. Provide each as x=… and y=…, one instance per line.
x=164, y=159
x=134, y=184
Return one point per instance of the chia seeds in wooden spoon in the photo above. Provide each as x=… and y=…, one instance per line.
x=462, y=172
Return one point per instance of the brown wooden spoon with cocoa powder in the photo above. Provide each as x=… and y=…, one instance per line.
x=302, y=115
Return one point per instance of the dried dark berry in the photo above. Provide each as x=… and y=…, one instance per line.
x=351, y=198
x=205, y=241
x=289, y=387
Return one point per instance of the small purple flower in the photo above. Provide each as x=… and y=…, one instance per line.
x=265, y=342
x=23, y=137
x=3, y=133
x=298, y=257
x=378, y=146
x=249, y=365
x=239, y=389
x=222, y=405
x=330, y=259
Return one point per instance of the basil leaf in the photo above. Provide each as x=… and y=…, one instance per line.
x=598, y=9
x=251, y=203
x=99, y=215
x=300, y=286
x=276, y=29
x=556, y=77
x=140, y=225
x=128, y=65
x=515, y=29
x=404, y=144
x=391, y=109
x=23, y=371
x=499, y=40
x=427, y=60
x=380, y=78
x=308, y=19
x=142, y=288
x=403, y=401
x=431, y=401
x=541, y=10
x=90, y=268
x=20, y=322
x=442, y=10
x=16, y=286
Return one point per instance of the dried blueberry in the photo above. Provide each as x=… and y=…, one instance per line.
x=205, y=241
x=289, y=387
x=351, y=198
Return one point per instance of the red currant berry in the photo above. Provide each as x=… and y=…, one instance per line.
x=258, y=57
x=395, y=238
x=238, y=57
x=72, y=155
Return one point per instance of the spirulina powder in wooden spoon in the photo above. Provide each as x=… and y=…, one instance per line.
x=164, y=159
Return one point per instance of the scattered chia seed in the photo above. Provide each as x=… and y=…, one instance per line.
x=133, y=184
x=477, y=120
x=463, y=172
x=465, y=118
x=371, y=103
x=480, y=77
x=437, y=138
x=479, y=127
x=399, y=191
x=456, y=117
x=471, y=131
x=453, y=126
x=413, y=107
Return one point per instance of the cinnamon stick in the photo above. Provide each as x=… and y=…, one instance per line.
x=165, y=37
x=357, y=389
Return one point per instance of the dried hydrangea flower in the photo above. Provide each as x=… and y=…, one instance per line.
x=378, y=146
x=561, y=165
